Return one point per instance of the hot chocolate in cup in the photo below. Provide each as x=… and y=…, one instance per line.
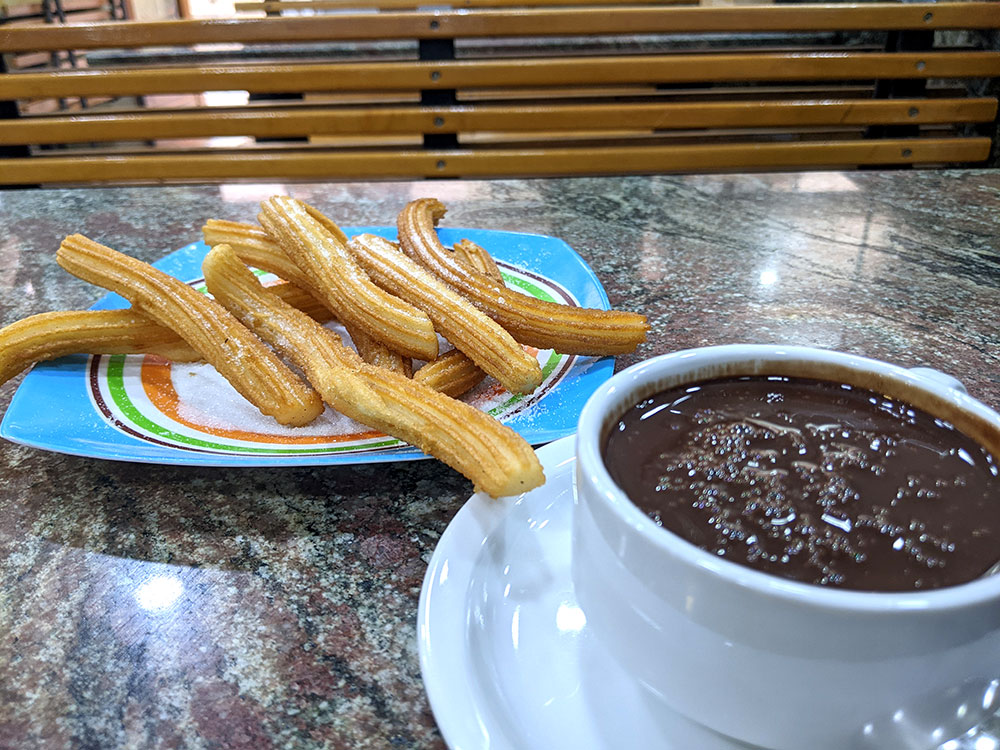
x=757, y=656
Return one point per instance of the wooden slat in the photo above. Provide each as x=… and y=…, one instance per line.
x=298, y=122
x=277, y=6
x=454, y=74
x=491, y=163
x=709, y=92
x=519, y=22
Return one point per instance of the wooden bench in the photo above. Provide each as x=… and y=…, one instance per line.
x=509, y=92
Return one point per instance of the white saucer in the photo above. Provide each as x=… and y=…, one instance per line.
x=506, y=655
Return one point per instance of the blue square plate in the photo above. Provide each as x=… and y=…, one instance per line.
x=127, y=408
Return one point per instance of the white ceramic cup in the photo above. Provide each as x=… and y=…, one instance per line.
x=759, y=658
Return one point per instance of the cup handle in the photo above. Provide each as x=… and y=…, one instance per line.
x=940, y=378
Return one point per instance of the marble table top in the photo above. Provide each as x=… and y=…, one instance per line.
x=291, y=621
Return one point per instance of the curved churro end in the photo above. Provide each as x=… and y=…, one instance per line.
x=477, y=258
x=546, y=325
x=238, y=355
x=497, y=460
x=343, y=284
x=49, y=335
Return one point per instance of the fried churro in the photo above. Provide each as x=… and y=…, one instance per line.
x=49, y=335
x=257, y=248
x=493, y=456
x=483, y=341
x=239, y=356
x=452, y=373
x=342, y=283
x=477, y=258
x=303, y=300
x=55, y=334
x=374, y=352
x=546, y=325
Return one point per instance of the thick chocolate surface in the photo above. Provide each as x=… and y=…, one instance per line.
x=814, y=481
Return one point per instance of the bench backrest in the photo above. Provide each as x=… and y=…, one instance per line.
x=504, y=92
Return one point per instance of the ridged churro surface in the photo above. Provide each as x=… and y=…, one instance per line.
x=257, y=248
x=546, y=325
x=343, y=284
x=469, y=330
x=493, y=456
x=55, y=334
x=452, y=373
x=239, y=356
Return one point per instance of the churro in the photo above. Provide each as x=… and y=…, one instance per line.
x=342, y=283
x=546, y=325
x=49, y=335
x=476, y=257
x=452, y=373
x=303, y=300
x=374, y=352
x=55, y=334
x=493, y=456
x=454, y=317
x=239, y=356
x=257, y=248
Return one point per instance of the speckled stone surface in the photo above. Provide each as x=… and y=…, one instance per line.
x=293, y=593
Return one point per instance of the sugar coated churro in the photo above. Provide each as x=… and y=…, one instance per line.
x=547, y=325
x=452, y=373
x=303, y=300
x=492, y=455
x=239, y=356
x=257, y=248
x=356, y=301
x=477, y=258
x=483, y=341
x=55, y=334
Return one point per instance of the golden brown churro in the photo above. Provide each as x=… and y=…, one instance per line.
x=452, y=373
x=547, y=325
x=492, y=455
x=344, y=286
x=374, y=352
x=239, y=356
x=472, y=332
x=257, y=248
x=56, y=334
x=476, y=257
x=301, y=299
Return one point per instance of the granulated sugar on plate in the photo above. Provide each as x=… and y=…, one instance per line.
x=206, y=398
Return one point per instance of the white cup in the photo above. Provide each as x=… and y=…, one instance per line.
x=759, y=658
